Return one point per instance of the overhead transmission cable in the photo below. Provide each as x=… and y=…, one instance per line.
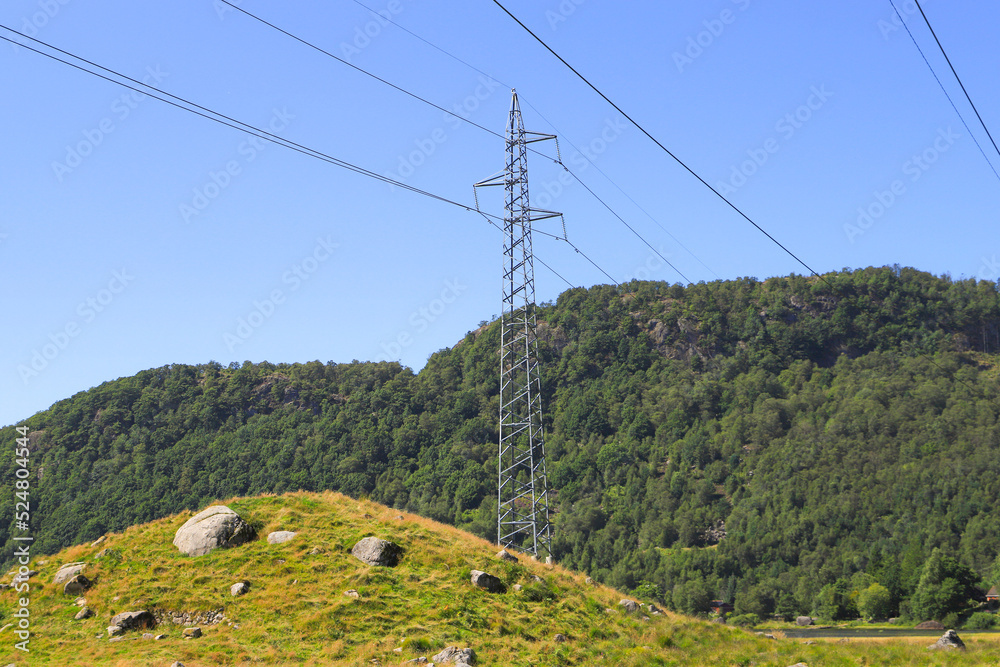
x=209, y=114
x=453, y=114
x=945, y=91
x=565, y=138
x=658, y=143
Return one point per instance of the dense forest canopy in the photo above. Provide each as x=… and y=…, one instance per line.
x=797, y=445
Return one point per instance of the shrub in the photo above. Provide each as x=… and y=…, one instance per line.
x=744, y=620
x=981, y=620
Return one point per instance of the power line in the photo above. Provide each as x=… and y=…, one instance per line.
x=957, y=78
x=462, y=118
x=228, y=121
x=945, y=91
x=657, y=142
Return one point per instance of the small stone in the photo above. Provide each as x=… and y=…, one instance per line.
x=239, y=588
x=280, y=536
x=191, y=633
x=177, y=663
x=67, y=572
x=76, y=585
x=487, y=582
x=159, y=638
x=517, y=587
x=315, y=551
x=117, y=639
x=504, y=555
x=80, y=602
x=373, y=551
x=86, y=612
x=630, y=606
x=147, y=635
x=560, y=638
x=98, y=540
x=589, y=581
x=352, y=593
x=422, y=660
x=948, y=641
x=455, y=655
x=115, y=630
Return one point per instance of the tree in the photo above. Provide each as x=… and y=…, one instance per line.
x=945, y=587
x=875, y=602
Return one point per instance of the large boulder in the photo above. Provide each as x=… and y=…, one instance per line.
x=67, y=572
x=134, y=620
x=217, y=526
x=948, y=641
x=803, y=620
x=375, y=551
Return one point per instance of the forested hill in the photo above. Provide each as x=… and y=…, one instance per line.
x=782, y=444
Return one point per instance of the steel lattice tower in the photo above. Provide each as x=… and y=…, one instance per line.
x=523, y=498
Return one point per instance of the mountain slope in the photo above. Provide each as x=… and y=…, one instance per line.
x=744, y=440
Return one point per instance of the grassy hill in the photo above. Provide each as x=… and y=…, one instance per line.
x=296, y=613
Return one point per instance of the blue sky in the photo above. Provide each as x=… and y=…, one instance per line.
x=136, y=235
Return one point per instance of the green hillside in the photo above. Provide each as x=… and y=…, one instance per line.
x=783, y=445
x=296, y=611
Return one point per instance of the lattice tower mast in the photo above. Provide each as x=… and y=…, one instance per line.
x=523, y=497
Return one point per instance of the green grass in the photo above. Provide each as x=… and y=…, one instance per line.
x=296, y=613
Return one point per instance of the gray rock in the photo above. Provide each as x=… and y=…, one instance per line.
x=589, y=581
x=422, y=660
x=159, y=638
x=147, y=635
x=76, y=585
x=803, y=620
x=352, y=593
x=86, y=612
x=133, y=620
x=630, y=606
x=115, y=630
x=191, y=633
x=279, y=536
x=455, y=655
x=560, y=638
x=654, y=610
x=509, y=557
x=517, y=587
x=487, y=582
x=378, y=552
x=948, y=641
x=217, y=526
x=102, y=553
x=80, y=602
x=177, y=663
x=67, y=572
x=98, y=540
x=239, y=588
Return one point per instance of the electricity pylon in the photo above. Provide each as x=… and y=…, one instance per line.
x=523, y=494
